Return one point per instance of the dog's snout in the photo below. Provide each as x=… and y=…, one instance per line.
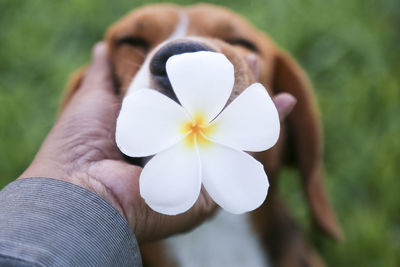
x=159, y=60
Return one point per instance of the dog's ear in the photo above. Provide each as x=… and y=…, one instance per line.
x=305, y=131
x=73, y=84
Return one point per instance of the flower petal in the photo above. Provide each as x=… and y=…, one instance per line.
x=250, y=122
x=148, y=123
x=234, y=179
x=202, y=81
x=170, y=182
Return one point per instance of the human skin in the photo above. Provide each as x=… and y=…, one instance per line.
x=81, y=149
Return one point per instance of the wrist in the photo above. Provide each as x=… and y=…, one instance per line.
x=51, y=169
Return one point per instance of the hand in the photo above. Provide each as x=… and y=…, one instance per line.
x=81, y=149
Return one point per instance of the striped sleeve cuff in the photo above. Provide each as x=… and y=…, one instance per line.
x=49, y=222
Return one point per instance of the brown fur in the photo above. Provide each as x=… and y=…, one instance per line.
x=284, y=240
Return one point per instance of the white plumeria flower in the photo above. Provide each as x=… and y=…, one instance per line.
x=198, y=142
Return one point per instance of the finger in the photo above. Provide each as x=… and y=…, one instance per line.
x=124, y=185
x=98, y=75
x=284, y=103
x=167, y=225
x=96, y=98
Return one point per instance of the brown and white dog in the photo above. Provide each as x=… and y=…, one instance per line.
x=139, y=46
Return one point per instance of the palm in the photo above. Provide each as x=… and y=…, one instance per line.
x=124, y=185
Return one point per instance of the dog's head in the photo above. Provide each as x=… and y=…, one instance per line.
x=141, y=43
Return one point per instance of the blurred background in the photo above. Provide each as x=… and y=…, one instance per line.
x=349, y=48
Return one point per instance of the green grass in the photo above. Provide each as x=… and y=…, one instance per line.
x=349, y=48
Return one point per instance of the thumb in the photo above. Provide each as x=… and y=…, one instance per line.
x=96, y=96
x=98, y=75
x=284, y=103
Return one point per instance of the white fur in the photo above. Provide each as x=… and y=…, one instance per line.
x=226, y=240
x=182, y=26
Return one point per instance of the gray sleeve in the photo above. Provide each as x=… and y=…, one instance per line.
x=47, y=222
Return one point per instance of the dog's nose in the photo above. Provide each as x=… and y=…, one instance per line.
x=157, y=64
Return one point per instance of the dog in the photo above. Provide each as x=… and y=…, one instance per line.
x=140, y=44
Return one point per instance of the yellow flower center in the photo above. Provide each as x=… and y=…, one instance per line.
x=196, y=131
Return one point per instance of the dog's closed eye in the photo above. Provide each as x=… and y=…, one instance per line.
x=243, y=43
x=135, y=42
